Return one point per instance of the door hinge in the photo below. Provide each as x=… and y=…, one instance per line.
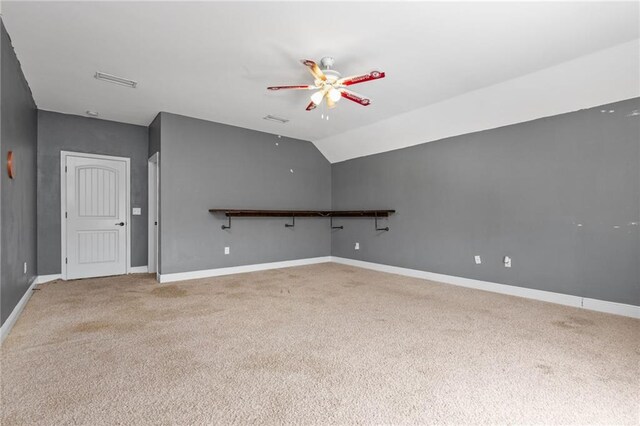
x=65, y=169
x=65, y=215
x=66, y=260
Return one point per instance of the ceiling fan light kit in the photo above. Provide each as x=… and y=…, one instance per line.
x=330, y=86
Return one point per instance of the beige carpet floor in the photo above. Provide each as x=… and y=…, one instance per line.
x=320, y=344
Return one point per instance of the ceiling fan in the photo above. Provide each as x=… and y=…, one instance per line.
x=329, y=85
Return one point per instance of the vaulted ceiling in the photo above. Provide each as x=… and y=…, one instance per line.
x=214, y=60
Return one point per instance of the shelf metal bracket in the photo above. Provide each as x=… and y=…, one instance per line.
x=291, y=225
x=386, y=228
x=334, y=227
x=228, y=225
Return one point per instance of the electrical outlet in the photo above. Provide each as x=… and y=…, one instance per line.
x=507, y=262
x=478, y=260
x=226, y=250
x=24, y=269
x=357, y=247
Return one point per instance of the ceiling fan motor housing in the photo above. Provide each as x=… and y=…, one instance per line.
x=326, y=63
x=332, y=75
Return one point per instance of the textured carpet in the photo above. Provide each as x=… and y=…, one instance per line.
x=320, y=344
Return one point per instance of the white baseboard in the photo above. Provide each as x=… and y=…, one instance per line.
x=181, y=276
x=139, y=269
x=546, y=296
x=611, y=307
x=13, y=317
x=46, y=278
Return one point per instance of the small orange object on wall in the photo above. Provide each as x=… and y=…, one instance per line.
x=10, y=165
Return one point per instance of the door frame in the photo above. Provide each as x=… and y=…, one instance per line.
x=153, y=207
x=63, y=204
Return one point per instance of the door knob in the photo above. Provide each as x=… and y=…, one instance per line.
x=120, y=224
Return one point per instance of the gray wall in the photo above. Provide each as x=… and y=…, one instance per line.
x=522, y=191
x=62, y=132
x=154, y=135
x=18, y=196
x=210, y=165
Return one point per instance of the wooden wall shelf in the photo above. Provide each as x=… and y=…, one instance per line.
x=229, y=213
x=303, y=213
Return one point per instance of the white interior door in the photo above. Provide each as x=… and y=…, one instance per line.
x=96, y=217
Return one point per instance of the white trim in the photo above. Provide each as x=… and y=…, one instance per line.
x=546, y=296
x=139, y=269
x=611, y=307
x=180, y=276
x=17, y=310
x=46, y=278
x=63, y=199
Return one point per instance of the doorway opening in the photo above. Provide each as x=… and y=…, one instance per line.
x=154, y=216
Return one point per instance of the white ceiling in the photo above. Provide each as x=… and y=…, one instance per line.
x=215, y=60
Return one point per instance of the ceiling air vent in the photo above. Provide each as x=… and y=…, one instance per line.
x=276, y=119
x=115, y=79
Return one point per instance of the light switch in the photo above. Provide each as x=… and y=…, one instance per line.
x=478, y=260
x=137, y=211
x=357, y=247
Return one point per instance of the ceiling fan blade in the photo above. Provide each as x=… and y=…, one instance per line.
x=311, y=106
x=301, y=87
x=355, y=79
x=314, y=69
x=355, y=98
